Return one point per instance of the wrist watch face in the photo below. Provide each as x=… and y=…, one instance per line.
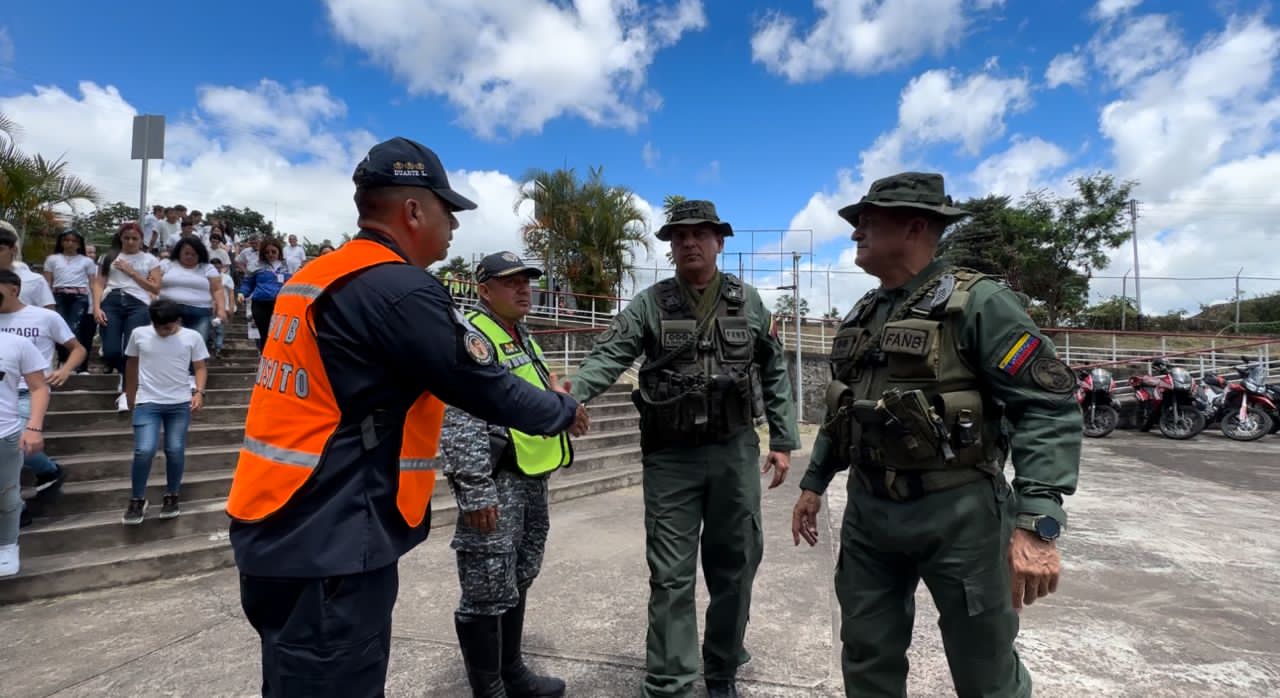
x=1048, y=528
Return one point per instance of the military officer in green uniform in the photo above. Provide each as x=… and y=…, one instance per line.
x=707, y=340
x=938, y=376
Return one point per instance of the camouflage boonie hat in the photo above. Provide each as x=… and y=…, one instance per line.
x=693, y=212
x=922, y=190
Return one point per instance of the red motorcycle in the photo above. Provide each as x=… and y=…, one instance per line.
x=1167, y=397
x=1249, y=407
x=1093, y=393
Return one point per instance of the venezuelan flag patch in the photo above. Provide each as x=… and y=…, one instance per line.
x=1019, y=354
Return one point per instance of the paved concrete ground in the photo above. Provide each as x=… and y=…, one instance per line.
x=1172, y=588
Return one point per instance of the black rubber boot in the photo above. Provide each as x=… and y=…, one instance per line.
x=721, y=688
x=480, y=638
x=520, y=681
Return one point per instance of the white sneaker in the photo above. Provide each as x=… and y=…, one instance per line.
x=122, y=403
x=8, y=560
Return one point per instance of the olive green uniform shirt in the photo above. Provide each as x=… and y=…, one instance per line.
x=1045, y=430
x=636, y=331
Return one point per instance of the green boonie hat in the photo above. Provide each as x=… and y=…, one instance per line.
x=693, y=212
x=922, y=190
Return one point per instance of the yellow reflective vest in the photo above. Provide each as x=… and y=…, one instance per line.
x=535, y=455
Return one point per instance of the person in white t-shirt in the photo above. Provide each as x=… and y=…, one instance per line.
x=229, y=302
x=149, y=235
x=166, y=229
x=161, y=396
x=189, y=280
x=19, y=436
x=46, y=330
x=218, y=249
x=122, y=291
x=294, y=254
x=70, y=272
x=35, y=290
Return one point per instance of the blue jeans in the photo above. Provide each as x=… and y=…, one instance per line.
x=218, y=337
x=147, y=420
x=124, y=315
x=198, y=319
x=72, y=307
x=40, y=463
x=10, y=490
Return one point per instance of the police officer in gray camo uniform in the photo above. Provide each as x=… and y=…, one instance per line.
x=499, y=477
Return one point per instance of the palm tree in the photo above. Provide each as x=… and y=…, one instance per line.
x=669, y=202
x=33, y=188
x=587, y=232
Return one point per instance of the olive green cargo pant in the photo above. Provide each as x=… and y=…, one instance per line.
x=713, y=491
x=956, y=540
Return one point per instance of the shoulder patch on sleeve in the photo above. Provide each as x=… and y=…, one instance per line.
x=620, y=327
x=1017, y=356
x=1054, y=375
x=478, y=348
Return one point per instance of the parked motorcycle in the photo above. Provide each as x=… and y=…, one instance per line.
x=1167, y=398
x=1250, y=406
x=1211, y=391
x=1093, y=393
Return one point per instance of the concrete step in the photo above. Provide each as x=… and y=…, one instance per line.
x=88, y=467
x=84, y=400
x=214, y=481
x=65, y=572
x=76, y=420
x=102, y=529
x=120, y=440
x=110, y=381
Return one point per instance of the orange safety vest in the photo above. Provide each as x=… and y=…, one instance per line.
x=293, y=411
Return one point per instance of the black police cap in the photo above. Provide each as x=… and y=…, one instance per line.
x=502, y=264
x=400, y=162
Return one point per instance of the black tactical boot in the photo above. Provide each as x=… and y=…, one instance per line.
x=721, y=688
x=480, y=638
x=520, y=681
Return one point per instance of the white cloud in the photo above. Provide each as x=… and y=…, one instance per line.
x=859, y=36
x=709, y=174
x=6, y=47
x=1131, y=50
x=295, y=167
x=1110, y=9
x=1019, y=169
x=650, y=155
x=1065, y=69
x=509, y=66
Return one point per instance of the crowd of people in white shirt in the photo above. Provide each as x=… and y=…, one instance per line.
x=157, y=300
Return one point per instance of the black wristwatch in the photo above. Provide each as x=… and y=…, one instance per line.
x=1046, y=527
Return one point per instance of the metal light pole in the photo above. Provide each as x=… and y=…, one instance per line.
x=795, y=295
x=148, y=143
x=1137, y=274
x=1124, y=297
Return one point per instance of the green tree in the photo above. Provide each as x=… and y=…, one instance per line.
x=243, y=221
x=313, y=248
x=456, y=265
x=99, y=225
x=982, y=241
x=1108, y=314
x=832, y=314
x=33, y=190
x=585, y=231
x=669, y=202
x=786, y=306
x=1066, y=237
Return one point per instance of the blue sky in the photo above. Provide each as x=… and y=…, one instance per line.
x=780, y=111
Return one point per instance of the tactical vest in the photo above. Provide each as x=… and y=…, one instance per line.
x=696, y=383
x=535, y=455
x=905, y=399
x=293, y=411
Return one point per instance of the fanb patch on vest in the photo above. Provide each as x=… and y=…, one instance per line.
x=509, y=348
x=478, y=348
x=1018, y=355
x=905, y=340
x=1053, y=375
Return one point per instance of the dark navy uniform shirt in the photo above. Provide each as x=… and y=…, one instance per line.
x=385, y=335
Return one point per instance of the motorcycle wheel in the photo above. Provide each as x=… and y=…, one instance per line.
x=1100, y=421
x=1189, y=423
x=1254, y=426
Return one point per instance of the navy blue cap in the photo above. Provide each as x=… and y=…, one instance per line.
x=500, y=264
x=401, y=162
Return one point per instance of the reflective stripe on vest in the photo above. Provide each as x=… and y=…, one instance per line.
x=535, y=455
x=293, y=411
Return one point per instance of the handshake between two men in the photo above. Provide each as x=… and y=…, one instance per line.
x=581, y=421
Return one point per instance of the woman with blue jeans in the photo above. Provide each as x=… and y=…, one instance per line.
x=160, y=397
x=19, y=436
x=70, y=274
x=188, y=279
x=122, y=292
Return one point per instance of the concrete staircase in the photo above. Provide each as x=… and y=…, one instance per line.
x=77, y=542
